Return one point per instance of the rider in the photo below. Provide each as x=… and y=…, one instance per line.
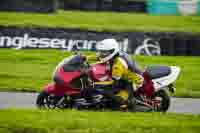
x=124, y=71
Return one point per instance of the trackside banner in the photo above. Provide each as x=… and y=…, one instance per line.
x=27, y=41
x=139, y=43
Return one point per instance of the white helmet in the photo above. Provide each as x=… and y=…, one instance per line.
x=107, y=49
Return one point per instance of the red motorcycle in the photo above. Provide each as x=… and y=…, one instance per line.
x=70, y=82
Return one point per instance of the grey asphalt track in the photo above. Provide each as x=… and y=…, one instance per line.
x=27, y=100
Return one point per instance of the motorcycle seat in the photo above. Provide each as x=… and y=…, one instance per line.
x=158, y=71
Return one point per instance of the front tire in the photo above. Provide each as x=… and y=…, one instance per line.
x=46, y=101
x=40, y=101
x=49, y=101
x=164, y=99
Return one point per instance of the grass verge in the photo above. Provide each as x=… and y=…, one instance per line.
x=72, y=121
x=102, y=21
x=30, y=70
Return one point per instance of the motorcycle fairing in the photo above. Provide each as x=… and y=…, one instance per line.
x=60, y=90
x=66, y=77
x=99, y=72
x=163, y=82
x=148, y=86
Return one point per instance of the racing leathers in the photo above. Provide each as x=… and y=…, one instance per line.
x=125, y=69
x=125, y=74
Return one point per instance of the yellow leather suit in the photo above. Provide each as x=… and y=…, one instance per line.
x=121, y=70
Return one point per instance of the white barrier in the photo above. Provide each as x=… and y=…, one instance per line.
x=188, y=7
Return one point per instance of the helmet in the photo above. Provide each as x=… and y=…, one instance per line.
x=107, y=49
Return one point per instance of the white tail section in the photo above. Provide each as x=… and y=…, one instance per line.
x=163, y=82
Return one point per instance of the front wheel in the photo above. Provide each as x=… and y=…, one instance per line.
x=163, y=100
x=45, y=100
x=42, y=100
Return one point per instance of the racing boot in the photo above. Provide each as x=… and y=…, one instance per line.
x=123, y=104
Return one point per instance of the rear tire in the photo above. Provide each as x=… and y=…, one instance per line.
x=165, y=100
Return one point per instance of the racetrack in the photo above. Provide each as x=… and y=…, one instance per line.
x=27, y=100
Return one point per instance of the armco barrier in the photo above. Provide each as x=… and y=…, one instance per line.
x=131, y=6
x=106, y=5
x=145, y=43
x=45, y=6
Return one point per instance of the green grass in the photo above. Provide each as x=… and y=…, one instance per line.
x=30, y=70
x=103, y=21
x=71, y=121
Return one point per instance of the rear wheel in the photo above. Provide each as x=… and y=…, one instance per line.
x=163, y=100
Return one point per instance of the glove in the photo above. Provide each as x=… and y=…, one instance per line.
x=138, y=82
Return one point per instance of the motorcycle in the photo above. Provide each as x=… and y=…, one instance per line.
x=152, y=96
